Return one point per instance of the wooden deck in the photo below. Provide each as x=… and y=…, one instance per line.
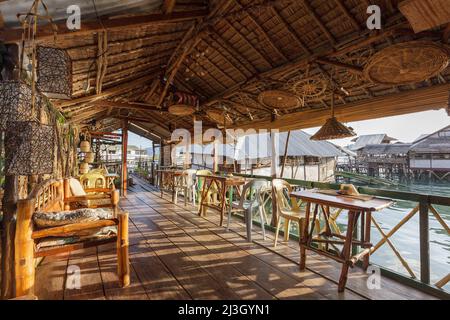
x=175, y=254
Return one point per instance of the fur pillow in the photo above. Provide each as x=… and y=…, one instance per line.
x=54, y=219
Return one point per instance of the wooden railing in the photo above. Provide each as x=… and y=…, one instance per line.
x=425, y=204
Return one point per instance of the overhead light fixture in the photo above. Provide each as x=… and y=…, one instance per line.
x=333, y=129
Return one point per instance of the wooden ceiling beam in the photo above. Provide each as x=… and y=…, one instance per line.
x=304, y=61
x=191, y=39
x=110, y=92
x=348, y=15
x=127, y=105
x=291, y=30
x=411, y=101
x=89, y=27
x=226, y=46
x=168, y=6
x=247, y=42
x=312, y=13
x=352, y=68
x=263, y=32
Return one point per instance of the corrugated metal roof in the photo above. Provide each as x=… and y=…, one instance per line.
x=58, y=8
x=259, y=146
x=438, y=142
x=381, y=149
x=365, y=140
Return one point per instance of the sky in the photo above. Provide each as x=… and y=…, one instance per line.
x=405, y=128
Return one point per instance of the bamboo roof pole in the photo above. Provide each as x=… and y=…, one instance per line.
x=189, y=44
x=124, y=175
x=285, y=153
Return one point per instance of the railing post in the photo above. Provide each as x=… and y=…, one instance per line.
x=424, y=242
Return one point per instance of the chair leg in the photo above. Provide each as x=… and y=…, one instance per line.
x=249, y=222
x=185, y=196
x=261, y=215
x=287, y=224
x=277, y=231
x=229, y=218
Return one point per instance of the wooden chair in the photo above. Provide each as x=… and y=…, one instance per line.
x=93, y=180
x=212, y=195
x=287, y=209
x=53, y=196
x=251, y=198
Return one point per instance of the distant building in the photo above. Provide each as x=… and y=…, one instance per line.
x=427, y=157
x=364, y=140
x=430, y=155
x=306, y=159
x=134, y=155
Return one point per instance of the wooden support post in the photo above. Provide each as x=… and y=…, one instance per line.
x=285, y=153
x=424, y=242
x=274, y=148
x=66, y=193
x=123, y=265
x=8, y=234
x=216, y=156
x=124, y=157
x=24, y=249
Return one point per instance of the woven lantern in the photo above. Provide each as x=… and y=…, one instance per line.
x=54, y=72
x=279, y=99
x=29, y=148
x=89, y=157
x=15, y=103
x=333, y=129
x=181, y=110
x=407, y=63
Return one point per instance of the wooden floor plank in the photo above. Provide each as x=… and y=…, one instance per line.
x=317, y=264
x=175, y=254
x=262, y=270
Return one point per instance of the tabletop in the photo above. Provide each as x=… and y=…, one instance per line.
x=342, y=201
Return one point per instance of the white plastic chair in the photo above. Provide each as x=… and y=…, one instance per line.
x=251, y=198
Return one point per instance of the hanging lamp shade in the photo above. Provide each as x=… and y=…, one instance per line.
x=54, y=72
x=29, y=148
x=333, y=129
x=15, y=102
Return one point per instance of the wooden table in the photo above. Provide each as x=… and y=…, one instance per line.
x=170, y=180
x=222, y=184
x=362, y=206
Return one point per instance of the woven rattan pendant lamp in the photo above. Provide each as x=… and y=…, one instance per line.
x=333, y=129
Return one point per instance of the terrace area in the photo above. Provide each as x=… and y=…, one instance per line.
x=77, y=79
x=175, y=254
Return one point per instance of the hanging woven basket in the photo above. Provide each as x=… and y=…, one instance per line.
x=407, y=63
x=279, y=99
x=85, y=146
x=219, y=117
x=181, y=110
x=89, y=157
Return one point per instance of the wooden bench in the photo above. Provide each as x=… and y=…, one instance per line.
x=54, y=196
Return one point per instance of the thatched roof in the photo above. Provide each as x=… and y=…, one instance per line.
x=226, y=52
